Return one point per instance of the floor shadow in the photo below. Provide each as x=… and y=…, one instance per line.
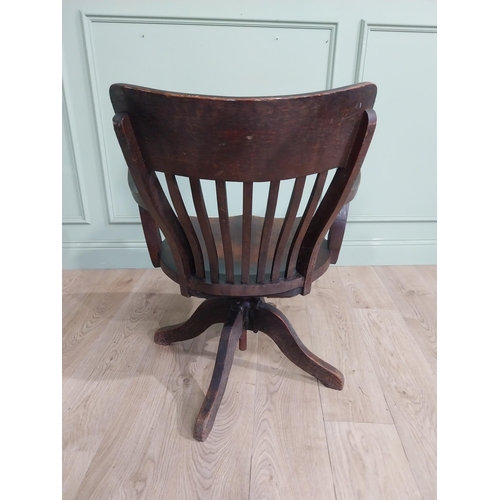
x=91, y=316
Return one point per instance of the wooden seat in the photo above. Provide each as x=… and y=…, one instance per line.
x=234, y=261
x=235, y=224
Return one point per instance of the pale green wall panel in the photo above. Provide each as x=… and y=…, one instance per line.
x=252, y=48
x=206, y=57
x=73, y=210
x=399, y=173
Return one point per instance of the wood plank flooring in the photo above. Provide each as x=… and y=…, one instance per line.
x=129, y=405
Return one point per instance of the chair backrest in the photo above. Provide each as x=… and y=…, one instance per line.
x=247, y=140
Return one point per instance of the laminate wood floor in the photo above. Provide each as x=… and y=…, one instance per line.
x=129, y=405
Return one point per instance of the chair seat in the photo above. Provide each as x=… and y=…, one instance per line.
x=168, y=263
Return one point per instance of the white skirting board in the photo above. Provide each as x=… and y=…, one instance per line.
x=134, y=254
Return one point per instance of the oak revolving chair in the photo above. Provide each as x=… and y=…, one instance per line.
x=234, y=262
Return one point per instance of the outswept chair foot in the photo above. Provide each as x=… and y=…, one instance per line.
x=238, y=316
x=209, y=312
x=231, y=333
x=271, y=321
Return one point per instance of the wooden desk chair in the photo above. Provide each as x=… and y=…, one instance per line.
x=234, y=262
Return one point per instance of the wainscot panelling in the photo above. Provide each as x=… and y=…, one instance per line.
x=73, y=204
x=399, y=174
x=252, y=48
x=214, y=57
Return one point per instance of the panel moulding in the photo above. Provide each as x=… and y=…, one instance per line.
x=104, y=244
x=364, y=33
x=88, y=19
x=83, y=218
x=392, y=218
x=365, y=30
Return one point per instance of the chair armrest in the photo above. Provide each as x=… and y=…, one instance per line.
x=337, y=230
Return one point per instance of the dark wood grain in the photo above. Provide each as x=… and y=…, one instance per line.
x=186, y=224
x=225, y=230
x=206, y=230
x=236, y=229
x=152, y=236
x=247, y=140
x=229, y=337
x=253, y=139
x=273, y=323
x=234, y=262
x=265, y=238
x=286, y=227
x=246, y=231
x=335, y=198
x=208, y=313
x=336, y=234
x=154, y=199
x=304, y=224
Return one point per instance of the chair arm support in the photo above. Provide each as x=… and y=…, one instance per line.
x=151, y=231
x=337, y=230
x=336, y=234
x=152, y=236
x=134, y=190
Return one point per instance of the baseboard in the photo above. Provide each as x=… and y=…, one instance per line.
x=105, y=255
x=388, y=252
x=134, y=254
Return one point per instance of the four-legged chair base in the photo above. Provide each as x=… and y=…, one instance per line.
x=238, y=316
